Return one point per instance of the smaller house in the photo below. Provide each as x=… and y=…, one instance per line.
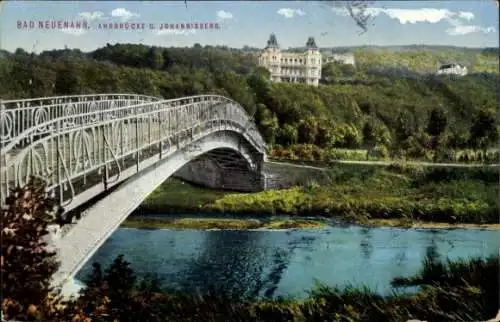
x=347, y=58
x=452, y=69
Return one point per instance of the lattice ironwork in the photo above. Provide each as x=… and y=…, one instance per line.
x=78, y=142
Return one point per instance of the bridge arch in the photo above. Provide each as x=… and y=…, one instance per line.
x=108, y=152
x=98, y=222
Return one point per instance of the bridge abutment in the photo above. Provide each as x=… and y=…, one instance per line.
x=208, y=173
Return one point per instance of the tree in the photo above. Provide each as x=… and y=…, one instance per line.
x=307, y=130
x=330, y=70
x=258, y=81
x=67, y=79
x=27, y=262
x=369, y=137
x=115, y=296
x=268, y=124
x=324, y=135
x=288, y=135
x=155, y=59
x=436, y=127
x=484, y=131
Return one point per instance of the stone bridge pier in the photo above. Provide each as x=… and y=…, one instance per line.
x=209, y=172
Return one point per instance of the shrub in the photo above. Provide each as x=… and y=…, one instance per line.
x=28, y=263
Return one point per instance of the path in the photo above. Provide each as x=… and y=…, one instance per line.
x=386, y=163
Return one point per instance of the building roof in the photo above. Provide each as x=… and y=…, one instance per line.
x=311, y=43
x=450, y=65
x=272, y=42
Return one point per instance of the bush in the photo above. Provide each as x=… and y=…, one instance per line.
x=380, y=151
x=28, y=263
x=24, y=227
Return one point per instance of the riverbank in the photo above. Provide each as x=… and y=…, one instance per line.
x=392, y=196
x=146, y=222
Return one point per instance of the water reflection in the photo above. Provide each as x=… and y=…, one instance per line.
x=431, y=250
x=366, y=242
x=279, y=263
x=227, y=258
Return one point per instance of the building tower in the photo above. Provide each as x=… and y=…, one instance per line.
x=271, y=58
x=314, y=62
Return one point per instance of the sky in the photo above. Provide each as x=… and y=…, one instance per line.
x=458, y=23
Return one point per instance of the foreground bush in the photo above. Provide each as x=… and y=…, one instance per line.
x=27, y=262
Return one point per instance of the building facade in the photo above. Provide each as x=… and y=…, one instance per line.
x=304, y=68
x=452, y=69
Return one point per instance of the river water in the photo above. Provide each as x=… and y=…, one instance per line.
x=287, y=263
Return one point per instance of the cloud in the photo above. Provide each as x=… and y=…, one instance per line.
x=461, y=30
x=223, y=15
x=123, y=14
x=96, y=15
x=404, y=15
x=290, y=13
x=74, y=32
x=176, y=32
x=466, y=15
x=427, y=15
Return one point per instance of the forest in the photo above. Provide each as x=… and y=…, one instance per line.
x=386, y=110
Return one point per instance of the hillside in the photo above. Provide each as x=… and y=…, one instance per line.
x=423, y=58
x=409, y=116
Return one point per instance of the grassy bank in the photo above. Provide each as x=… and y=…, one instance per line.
x=218, y=223
x=363, y=194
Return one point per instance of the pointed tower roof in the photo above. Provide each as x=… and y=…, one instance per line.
x=311, y=43
x=272, y=42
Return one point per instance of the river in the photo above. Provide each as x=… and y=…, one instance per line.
x=287, y=263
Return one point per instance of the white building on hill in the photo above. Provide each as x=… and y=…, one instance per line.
x=347, y=58
x=452, y=69
x=289, y=67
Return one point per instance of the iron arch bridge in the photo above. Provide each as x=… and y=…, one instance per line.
x=101, y=155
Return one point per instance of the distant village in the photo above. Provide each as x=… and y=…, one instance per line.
x=304, y=65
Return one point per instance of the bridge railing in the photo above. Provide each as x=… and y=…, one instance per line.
x=17, y=117
x=95, y=146
x=21, y=122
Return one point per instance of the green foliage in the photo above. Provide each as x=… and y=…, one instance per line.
x=404, y=113
x=484, y=130
x=430, y=195
x=354, y=192
x=425, y=59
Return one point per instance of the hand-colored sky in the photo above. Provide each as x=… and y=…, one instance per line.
x=460, y=23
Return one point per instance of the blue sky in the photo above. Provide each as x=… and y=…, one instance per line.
x=462, y=23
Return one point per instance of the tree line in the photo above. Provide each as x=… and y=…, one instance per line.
x=382, y=110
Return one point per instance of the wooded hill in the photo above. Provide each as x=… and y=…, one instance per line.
x=358, y=107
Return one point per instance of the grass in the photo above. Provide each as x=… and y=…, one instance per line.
x=218, y=223
x=359, y=193
x=339, y=154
